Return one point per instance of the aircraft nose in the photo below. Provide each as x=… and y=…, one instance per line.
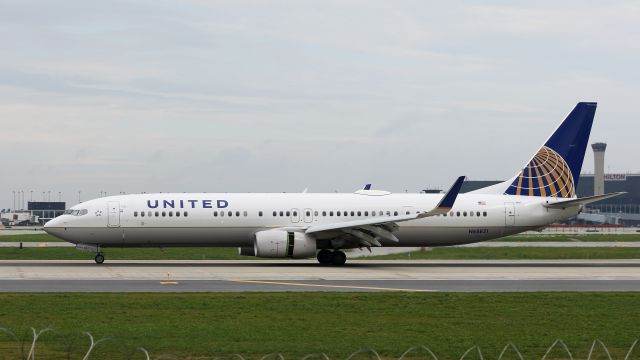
x=54, y=227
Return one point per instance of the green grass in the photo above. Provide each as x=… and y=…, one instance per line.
x=29, y=238
x=50, y=253
x=533, y=253
x=295, y=324
x=207, y=253
x=589, y=237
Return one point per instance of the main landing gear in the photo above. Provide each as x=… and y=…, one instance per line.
x=327, y=257
x=99, y=258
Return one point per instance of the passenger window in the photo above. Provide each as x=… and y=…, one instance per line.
x=315, y=213
x=259, y=213
x=245, y=214
x=470, y=213
x=141, y=213
x=478, y=213
x=366, y=213
x=164, y=214
x=281, y=213
x=484, y=213
x=186, y=214
x=288, y=214
x=359, y=213
x=295, y=213
x=445, y=214
x=395, y=213
x=157, y=214
x=337, y=213
x=451, y=213
x=238, y=213
x=308, y=213
x=352, y=213
x=458, y=213
x=324, y=213
x=388, y=213
x=221, y=213
x=215, y=214
x=229, y=213
x=135, y=214
x=275, y=213
x=177, y=213
x=170, y=213
x=407, y=213
x=464, y=213
x=330, y=213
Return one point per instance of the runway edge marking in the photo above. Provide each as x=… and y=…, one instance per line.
x=329, y=286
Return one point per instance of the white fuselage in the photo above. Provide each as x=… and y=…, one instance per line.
x=209, y=219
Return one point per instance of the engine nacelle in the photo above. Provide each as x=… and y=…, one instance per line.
x=283, y=244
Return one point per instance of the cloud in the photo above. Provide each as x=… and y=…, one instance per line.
x=276, y=96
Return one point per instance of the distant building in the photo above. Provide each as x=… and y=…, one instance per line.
x=46, y=210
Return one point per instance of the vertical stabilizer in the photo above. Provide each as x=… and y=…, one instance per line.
x=554, y=170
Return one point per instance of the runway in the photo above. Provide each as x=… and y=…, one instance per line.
x=357, y=275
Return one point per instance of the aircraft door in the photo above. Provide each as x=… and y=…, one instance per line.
x=114, y=213
x=295, y=215
x=308, y=215
x=509, y=214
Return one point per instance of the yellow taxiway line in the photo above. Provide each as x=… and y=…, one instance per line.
x=329, y=286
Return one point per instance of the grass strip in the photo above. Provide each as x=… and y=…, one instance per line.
x=296, y=324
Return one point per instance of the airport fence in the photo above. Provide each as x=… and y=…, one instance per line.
x=25, y=349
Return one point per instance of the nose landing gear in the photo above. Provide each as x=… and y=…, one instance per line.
x=327, y=257
x=99, y=258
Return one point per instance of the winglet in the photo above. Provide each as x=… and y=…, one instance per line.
x=451, y=195
x=448, y=200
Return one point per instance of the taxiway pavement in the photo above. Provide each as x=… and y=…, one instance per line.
x=307, y=275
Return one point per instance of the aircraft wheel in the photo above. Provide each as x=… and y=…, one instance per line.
x=324, y=257
x=338, y=258
x=99, y=259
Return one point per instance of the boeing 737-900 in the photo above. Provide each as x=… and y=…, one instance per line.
x=304, y=225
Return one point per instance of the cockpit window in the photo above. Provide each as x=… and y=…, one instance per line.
x=76, y=212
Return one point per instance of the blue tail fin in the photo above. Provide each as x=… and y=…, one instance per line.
x=555, y=169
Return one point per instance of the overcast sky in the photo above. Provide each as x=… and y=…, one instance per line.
x=272, y=96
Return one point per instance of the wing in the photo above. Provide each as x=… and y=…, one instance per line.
x=369, y=232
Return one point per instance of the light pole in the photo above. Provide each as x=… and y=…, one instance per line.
x=14, y=200
x=79, y=192
x=49, y=197
x=31, y=196
x=59, y=196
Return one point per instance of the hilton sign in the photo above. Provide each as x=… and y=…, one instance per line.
x=615, y=177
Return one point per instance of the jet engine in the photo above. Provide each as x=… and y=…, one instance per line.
x=282, y=244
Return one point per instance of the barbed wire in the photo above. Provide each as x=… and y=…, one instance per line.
x=30, y=353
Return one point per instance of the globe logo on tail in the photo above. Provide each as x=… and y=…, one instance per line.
x=547, y=174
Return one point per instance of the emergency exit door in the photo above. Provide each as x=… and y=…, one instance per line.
x=114, y=213
x=509, y=214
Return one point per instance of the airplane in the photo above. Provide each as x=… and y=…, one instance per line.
x=321, y=225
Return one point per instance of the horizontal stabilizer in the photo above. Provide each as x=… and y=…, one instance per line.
x=581, y=201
